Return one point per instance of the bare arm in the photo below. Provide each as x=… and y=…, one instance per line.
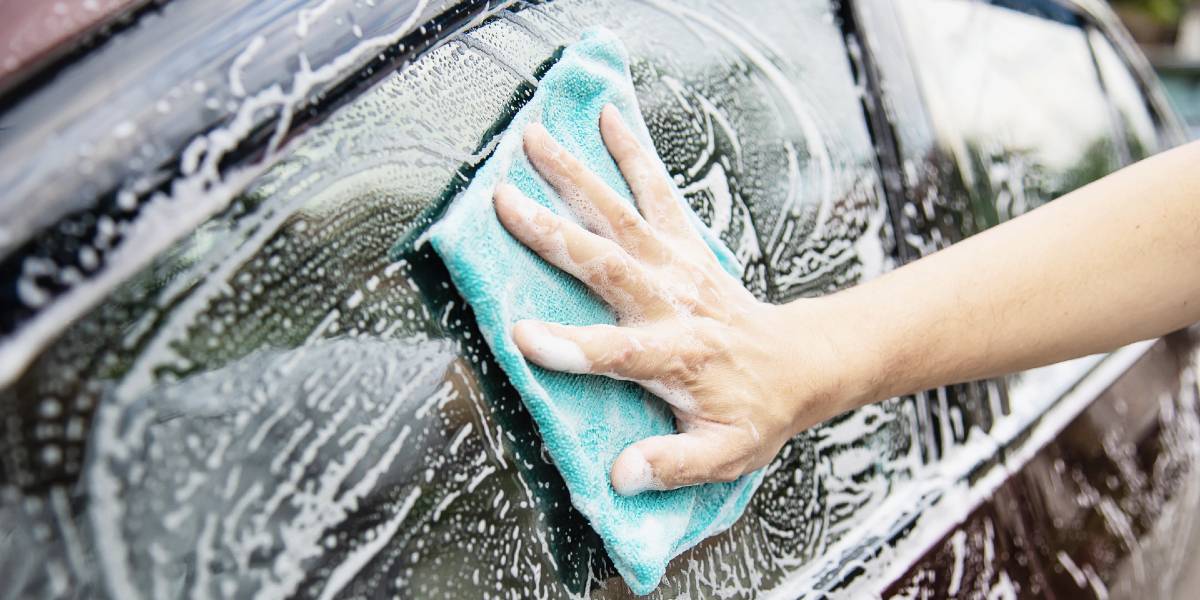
x=1111, y=263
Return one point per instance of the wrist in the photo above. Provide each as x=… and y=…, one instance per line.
x=833, y=357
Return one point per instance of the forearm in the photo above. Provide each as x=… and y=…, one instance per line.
x=1111, y=263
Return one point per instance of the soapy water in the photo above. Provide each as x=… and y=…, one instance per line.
x=558, y=353
x=1104, y=523
x=552, y=351
x=276, y=406
x=634, y=475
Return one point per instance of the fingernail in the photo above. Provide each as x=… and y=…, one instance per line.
x=502, y=190
x=536, y=129
x=632, y=474
x=536, y=133
x=550, y=351
x=611, y=111
x=515, y=202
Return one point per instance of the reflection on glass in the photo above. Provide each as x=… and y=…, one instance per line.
x=1136, y=120
x=1016, y=97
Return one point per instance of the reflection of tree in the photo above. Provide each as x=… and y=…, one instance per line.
x=1166, y=12
x=1010, y=181
x=1098, y=159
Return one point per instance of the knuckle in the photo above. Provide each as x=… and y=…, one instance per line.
x=626, y=221
x=619, y=358
x=632, y=160
x=732, y=468
x=689, y=365
x=617, y=272
x=546, y=234
x=677, y=473
x=688, y=303
x=677, y=367
x=542, y=222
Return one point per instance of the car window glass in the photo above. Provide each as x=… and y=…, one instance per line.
x=1140, y=133
x=982, y=128
x=1015, y=95
x=935, y=210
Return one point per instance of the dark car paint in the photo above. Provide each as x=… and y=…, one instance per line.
x=573, y=544
x=1106, y=509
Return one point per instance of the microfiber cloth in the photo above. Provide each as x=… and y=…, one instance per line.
x=584, y=420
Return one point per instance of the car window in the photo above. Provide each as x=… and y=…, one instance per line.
x=1182, y=87
x=1016, y=96
x=936, y=209
x=294, y=398
x=999, y=108
x=1134, y=115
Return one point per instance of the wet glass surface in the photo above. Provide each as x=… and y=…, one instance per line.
x=1015, y=97
x=988, y=126
x=282, y=405
x=1136, y=120
x=936, y=208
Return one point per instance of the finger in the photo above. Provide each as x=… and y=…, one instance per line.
x=599, y=263
x=619, y=352
x=666, y=462
x=591, y=199
x=651, y=189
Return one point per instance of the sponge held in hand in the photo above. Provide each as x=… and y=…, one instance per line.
x=585, y=420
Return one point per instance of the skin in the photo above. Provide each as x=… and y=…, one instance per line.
x=1114, y=262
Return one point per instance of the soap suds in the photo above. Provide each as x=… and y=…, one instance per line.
x=526, y=211
x=671, y=394
x=632, y=474
x=557, y=353
x=549, y=350
x=552, y=162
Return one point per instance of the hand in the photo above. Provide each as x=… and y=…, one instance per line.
x=688, y=332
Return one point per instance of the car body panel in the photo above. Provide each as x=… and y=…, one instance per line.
x=246, y=393
x=1106, y=509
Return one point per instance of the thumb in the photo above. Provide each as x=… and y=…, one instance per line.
x=666, y=462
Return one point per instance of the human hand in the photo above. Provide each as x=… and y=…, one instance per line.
x=687, y=331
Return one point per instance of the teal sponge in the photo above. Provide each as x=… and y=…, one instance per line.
x=585, y=420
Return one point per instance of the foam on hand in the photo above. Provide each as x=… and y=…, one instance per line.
x=551, y=351
x=585, y=421
x=634, y=475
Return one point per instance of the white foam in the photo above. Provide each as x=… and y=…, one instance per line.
x=554, y=247
x=583, y=207
x=632, y=474
x=959, y=543
x=201, y=192
x=551, y=351
x=674, y=395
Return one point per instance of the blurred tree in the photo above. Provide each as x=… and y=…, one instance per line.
x=1165, y=12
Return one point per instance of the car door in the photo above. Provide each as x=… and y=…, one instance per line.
x=226, y=375
x=998, y=107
